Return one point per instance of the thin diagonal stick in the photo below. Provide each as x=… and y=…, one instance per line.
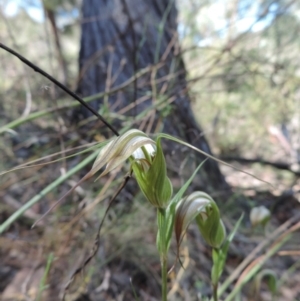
x=63, y=87
x=97, y=238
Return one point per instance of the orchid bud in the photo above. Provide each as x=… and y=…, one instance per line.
x=259, y=215
x=120, y=149
x=151, y=175
x=201, y=206
x=148, y=164
x=211, y=226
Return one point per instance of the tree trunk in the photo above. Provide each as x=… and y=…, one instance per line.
x=120, y=38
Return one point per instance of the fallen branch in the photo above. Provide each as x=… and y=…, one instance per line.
x=278, y=165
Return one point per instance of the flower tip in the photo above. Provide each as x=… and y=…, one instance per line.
x=120, y=149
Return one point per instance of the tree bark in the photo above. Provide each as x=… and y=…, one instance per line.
x=121, y=37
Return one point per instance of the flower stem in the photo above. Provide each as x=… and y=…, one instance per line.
x=163, y=250
x=215, y=292
x=164, y=276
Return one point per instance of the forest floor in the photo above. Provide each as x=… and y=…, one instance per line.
x=36, y=264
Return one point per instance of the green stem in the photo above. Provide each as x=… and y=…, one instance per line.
x=164, y=277
x=215, y=292
x=44, y=278
x=163, y=250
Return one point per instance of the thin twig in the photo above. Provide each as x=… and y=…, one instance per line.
x=63, y=87
x=278, y=165
x=97, y=238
